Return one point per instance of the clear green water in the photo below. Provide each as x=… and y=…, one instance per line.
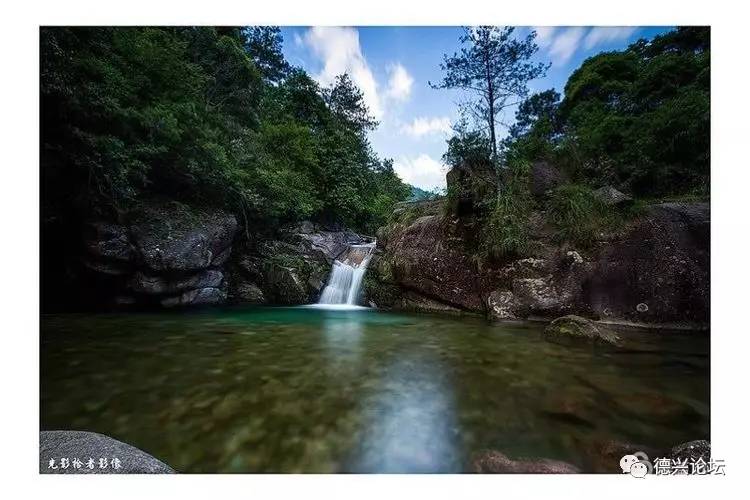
x=301, y=390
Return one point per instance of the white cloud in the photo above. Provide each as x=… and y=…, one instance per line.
x=340, y=52
x=545, y=35
x=422, y=171
x=604, y=34
x=424, y=126
x=561, y=43
x=564, y=44
x=399, y=83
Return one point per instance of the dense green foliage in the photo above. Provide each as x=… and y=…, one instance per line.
x=204, y=115
x=577, y=214
x=506, y=230
x=638, y=119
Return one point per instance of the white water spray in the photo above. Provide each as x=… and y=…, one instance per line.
x=346, y=276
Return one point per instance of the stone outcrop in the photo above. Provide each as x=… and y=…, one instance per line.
x=69, y=445
x=469, y=185
x=291, y=269
x=426, y=258
x=164, y=255
x=658, y=272
x=691, y=451
x=655, y=270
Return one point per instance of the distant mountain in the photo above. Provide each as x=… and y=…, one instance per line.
x=418, y=194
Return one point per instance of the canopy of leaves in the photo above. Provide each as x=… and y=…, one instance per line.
x=638, y=119
x=204, y=115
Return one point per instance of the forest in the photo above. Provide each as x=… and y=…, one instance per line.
x=217, y=117
x=203, y=115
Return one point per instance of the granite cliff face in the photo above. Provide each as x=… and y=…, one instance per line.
x=169, y=255
x=654, y=270
x=164, y=255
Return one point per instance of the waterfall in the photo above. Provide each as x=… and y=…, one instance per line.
x=346, y=276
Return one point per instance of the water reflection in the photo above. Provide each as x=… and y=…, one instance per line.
x=411, y=424
x=342, y=335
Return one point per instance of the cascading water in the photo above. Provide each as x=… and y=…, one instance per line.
x=346, y=276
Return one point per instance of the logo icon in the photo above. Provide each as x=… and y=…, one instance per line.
x=637, y=465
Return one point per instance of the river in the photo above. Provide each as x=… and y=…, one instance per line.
x=316, y=390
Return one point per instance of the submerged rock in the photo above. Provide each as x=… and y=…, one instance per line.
x=572, y=329
x=494, y=462
x=69, y=445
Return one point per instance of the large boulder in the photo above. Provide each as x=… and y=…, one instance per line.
x=502, y=305
x=658, y=272
x=320, y=243
x=59, y=449
x=284, y=285
x=248, y=292
x=165, y=254
x=427, y=258
x=541, y=295
x=200, y=296
x=171, y=237
x=575, y=329
x=165, y=285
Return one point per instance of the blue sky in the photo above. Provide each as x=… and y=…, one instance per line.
x=393, y=65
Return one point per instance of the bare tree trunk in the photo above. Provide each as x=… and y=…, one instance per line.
x=491, y=107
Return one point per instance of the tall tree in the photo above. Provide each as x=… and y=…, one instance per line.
x=347, y=102
x=496, y=67
x=263, y=44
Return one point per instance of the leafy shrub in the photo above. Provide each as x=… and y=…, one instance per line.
x=578, y=215
x=506, y=232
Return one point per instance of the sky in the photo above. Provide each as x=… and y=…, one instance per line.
x=393, y=65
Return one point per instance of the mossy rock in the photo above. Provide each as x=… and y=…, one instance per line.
x=573, y=329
